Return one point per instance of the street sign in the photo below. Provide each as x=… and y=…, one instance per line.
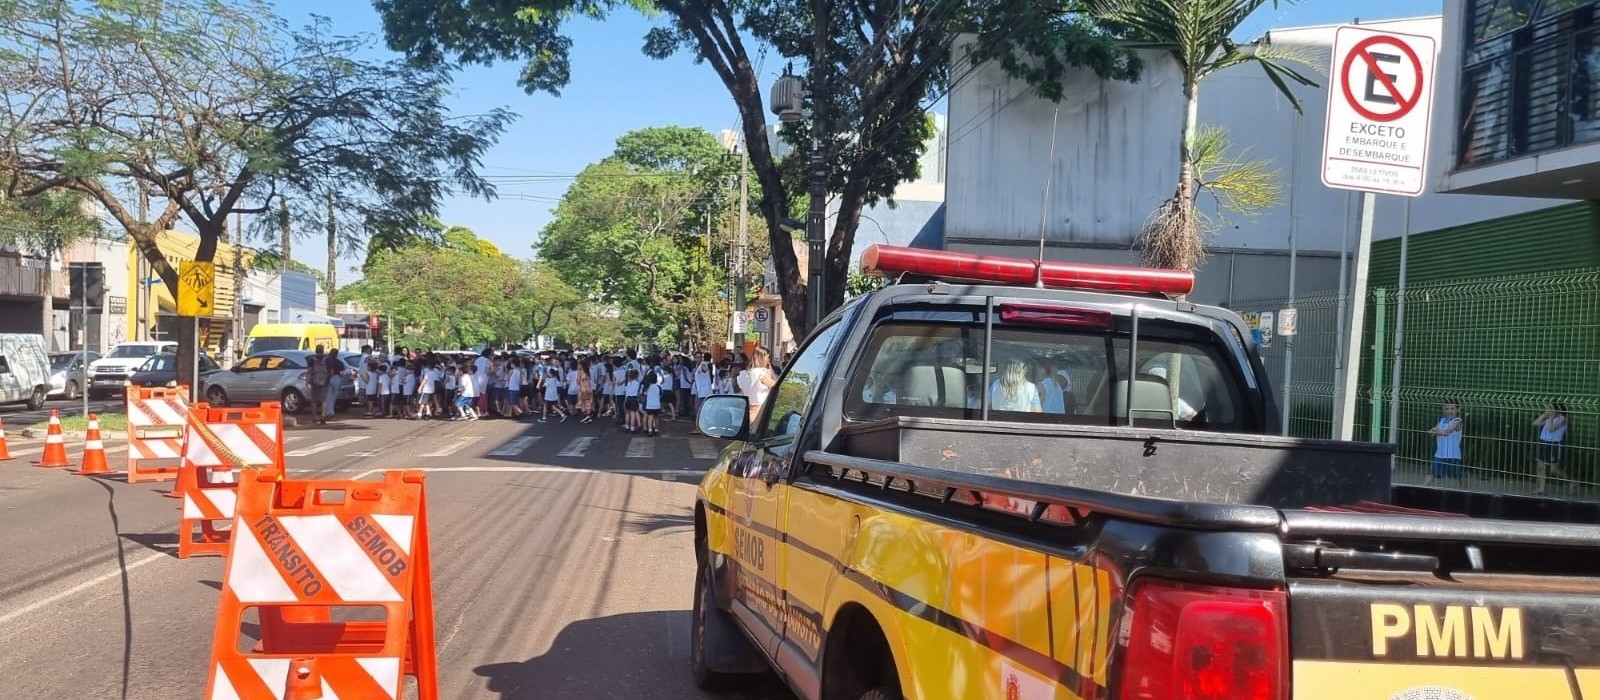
x=762, y=320
x=1380, y=104
x=197, y=282
x=119, y=305
x=737, y=321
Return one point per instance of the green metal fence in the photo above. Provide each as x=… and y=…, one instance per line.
x=1502, y=347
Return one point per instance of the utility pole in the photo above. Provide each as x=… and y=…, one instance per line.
x=816, y=219
x=141, y=290
x=236, y=352
x=741, y=271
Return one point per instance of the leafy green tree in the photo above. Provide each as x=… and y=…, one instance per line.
x=648, y=230
x=215, y=108
x=1196, y=34
x=462, y=291
x=884, y=61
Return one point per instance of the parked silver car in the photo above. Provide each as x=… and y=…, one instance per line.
x=277, y=375
x=69, y=373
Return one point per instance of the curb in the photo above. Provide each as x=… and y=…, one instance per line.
x=71, y=435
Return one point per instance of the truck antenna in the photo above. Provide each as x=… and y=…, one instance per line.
x=1044, y=217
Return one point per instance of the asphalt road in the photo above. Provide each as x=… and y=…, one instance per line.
x=562, y=563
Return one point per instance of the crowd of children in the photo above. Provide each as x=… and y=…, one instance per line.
x=638, y=392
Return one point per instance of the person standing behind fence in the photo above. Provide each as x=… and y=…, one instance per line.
x=1552, y=426
x=1447, y=447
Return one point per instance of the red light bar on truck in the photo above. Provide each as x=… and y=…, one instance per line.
x=888, y=260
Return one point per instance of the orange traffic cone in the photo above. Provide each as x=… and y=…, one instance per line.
x=55, y=447
x=5, y=454
x=94, y=451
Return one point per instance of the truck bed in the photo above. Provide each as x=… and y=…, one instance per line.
x=1217, y=468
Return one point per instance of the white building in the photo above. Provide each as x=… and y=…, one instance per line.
x=1116, y=159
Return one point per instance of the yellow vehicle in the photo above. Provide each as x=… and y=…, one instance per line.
x=291, y=336
x=976, y=490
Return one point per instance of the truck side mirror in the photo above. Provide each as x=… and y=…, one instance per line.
x=724, y=416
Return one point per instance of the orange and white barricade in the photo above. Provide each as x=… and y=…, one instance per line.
x=155, y=432
x=337, y=574
x=219, y=445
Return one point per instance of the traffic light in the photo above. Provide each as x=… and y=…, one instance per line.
x=88, y=282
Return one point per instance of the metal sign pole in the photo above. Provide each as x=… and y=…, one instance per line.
x=1345, y=416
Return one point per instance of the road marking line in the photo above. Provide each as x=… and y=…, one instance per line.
x=641, y=448
x=577, y=448
x=25, y=451
x=452, y=448
x=368, y=453
x=321, y=447
x=515, y=447
x=703, y=448
x=536, y=470
x=86, y=585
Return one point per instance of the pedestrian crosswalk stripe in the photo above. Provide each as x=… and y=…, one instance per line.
x=703, y=448
x=515, y=447
x=325, y=446
x=453, y=447
x=577, y=448
x=641, y=448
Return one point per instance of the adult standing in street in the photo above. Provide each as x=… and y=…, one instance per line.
x=756, y=381
x=335, y=380
x=317, y=377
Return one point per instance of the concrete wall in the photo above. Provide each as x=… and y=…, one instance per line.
x=1116, y=149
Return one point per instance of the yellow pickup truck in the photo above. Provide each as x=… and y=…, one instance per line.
x=968, y=485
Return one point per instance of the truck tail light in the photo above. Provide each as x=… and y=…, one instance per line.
x=1191, y=642
x=880, y=259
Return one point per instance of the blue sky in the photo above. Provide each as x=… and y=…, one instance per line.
x=615, y=88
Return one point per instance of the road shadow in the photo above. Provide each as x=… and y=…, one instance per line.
x=163, y=542
x=347, y=423
x=639, y=656
x=646, y=524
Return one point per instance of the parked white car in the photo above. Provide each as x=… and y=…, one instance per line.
x=109, y=374
x=24, y=369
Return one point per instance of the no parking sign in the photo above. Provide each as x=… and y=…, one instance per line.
x=1380, y=104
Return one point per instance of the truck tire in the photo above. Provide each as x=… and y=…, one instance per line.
x=72, y=390
x=720, y=658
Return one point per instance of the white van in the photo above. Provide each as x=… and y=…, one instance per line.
x=24, y=369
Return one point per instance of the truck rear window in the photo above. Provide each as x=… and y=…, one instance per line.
x=1046, y=376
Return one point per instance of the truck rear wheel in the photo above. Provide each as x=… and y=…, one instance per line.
x=719, y=655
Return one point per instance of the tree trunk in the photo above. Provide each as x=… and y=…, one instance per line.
x=333, y=255
x=284, y=230
x=852, y=201
x=774, y=203
x=48, y=301
x=211, y=233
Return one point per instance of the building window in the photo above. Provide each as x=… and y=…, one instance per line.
x=1528, y=79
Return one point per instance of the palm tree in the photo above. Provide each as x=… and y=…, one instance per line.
x=1196, y=33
